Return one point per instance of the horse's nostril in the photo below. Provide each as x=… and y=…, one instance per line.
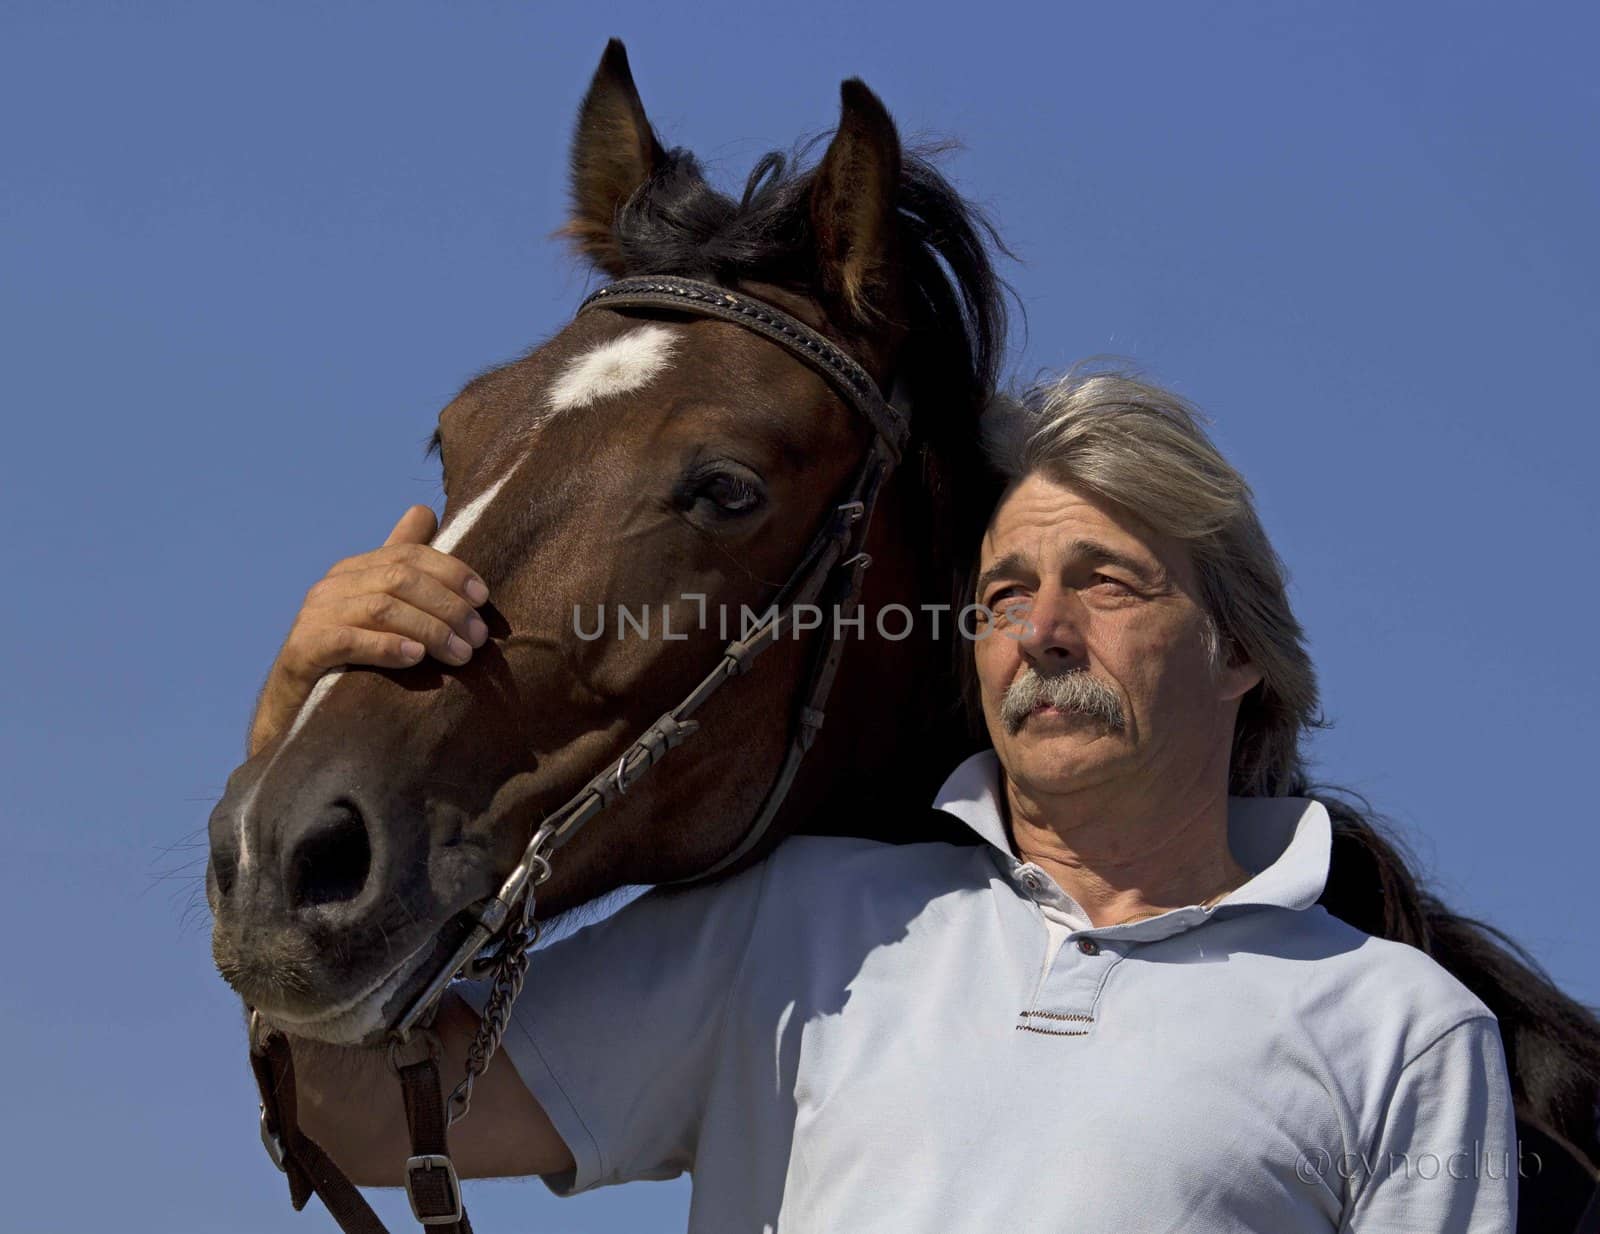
x=330, y=861
x=223, y=870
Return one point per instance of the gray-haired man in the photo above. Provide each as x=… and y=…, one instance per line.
x=1122, y=1009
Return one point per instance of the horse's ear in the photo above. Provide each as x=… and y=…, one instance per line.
x=853, y=209
x=614, y=151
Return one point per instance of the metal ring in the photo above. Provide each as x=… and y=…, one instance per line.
x=622, y=789
x=459, y=1101
x=424, y=1037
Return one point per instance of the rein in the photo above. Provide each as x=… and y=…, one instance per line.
x=504, y=927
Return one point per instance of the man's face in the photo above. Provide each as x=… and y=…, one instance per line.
x=1096, y=668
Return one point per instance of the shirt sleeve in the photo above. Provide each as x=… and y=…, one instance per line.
x=1444, y=1160
x=616, y=1031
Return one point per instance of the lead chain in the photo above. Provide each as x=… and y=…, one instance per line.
x=511, y=970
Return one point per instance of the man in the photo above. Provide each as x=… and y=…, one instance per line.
x=1122, y=1010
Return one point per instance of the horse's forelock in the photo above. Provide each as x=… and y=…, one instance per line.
x=955, y=301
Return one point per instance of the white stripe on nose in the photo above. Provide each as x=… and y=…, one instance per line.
x=319, y=692
x=449, y=536
x=457, y=526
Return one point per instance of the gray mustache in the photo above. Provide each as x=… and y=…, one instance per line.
x=1075, y=691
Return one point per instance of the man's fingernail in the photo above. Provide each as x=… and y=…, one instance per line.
x=411, y=650
x=476, y=591
x=477, y=632
x=458, y=647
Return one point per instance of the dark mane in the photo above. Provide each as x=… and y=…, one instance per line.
x=955, y=302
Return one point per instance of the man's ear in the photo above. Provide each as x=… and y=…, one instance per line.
x=1236, y=679
x=854, y=210
x=614, y=151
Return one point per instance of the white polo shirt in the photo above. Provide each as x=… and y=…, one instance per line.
x=854, y=1036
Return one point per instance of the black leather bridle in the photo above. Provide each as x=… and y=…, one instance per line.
x=504, y=927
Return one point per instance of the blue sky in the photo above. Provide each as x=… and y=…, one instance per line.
x=247, y=253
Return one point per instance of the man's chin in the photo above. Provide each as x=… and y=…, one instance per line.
x=1058, y=757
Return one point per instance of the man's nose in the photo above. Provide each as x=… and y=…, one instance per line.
x=1052, y=634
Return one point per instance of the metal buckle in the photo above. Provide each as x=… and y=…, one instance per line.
x=417, y=1046
x=433, y=1170
x=272, y=1142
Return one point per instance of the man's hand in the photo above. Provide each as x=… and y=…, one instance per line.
x=387, y=608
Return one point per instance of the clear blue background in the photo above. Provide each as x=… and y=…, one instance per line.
x=246, y=253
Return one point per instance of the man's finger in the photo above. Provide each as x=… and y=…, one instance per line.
x=402, y=585
x=416, y=526
x=451, y=571
x=341, y=645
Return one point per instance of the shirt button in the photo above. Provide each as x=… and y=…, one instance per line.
x=1088, y=946
x=1032, y=881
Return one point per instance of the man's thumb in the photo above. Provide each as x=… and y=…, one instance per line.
x=416, y=526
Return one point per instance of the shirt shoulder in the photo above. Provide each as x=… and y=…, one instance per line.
x=832, y=902
x=848, y=876
x=1364, y=1008
x=1394, y=980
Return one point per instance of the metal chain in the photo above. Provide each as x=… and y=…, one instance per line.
x=511, y=970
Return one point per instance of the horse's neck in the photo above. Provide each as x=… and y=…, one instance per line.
x=895, y=727
x=893, y=803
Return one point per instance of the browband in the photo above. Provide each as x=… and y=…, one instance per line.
x=823, y=355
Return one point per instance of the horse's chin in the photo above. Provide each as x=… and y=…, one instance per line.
x=365, y=1017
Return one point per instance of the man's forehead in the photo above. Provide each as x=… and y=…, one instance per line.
x=1037, y=510
x=1042, y=517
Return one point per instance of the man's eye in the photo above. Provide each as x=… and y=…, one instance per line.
x=1111, y=586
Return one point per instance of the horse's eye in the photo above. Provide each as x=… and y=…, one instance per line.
x=725, y=492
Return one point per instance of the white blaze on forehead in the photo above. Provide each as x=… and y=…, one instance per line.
x=623, y=364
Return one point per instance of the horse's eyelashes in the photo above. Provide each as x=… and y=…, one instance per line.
x=733, y=494
x=726, y=491
x=435, y=449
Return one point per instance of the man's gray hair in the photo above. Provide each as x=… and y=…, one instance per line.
x=1144, y=448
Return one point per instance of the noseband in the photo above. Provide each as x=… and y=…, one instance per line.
x=504, y=927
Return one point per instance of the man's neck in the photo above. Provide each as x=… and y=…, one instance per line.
x=1126, y=859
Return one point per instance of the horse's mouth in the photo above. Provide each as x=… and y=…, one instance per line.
x=359, y=1019
x=365, y=1017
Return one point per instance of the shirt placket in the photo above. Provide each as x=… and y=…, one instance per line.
x=1065, y=1000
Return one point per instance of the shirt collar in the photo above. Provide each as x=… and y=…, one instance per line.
x=1284, y=842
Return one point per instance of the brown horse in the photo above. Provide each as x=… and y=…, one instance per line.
x=635, y=461
x=675, y=465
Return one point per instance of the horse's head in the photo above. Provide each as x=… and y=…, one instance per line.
x=639, y=469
